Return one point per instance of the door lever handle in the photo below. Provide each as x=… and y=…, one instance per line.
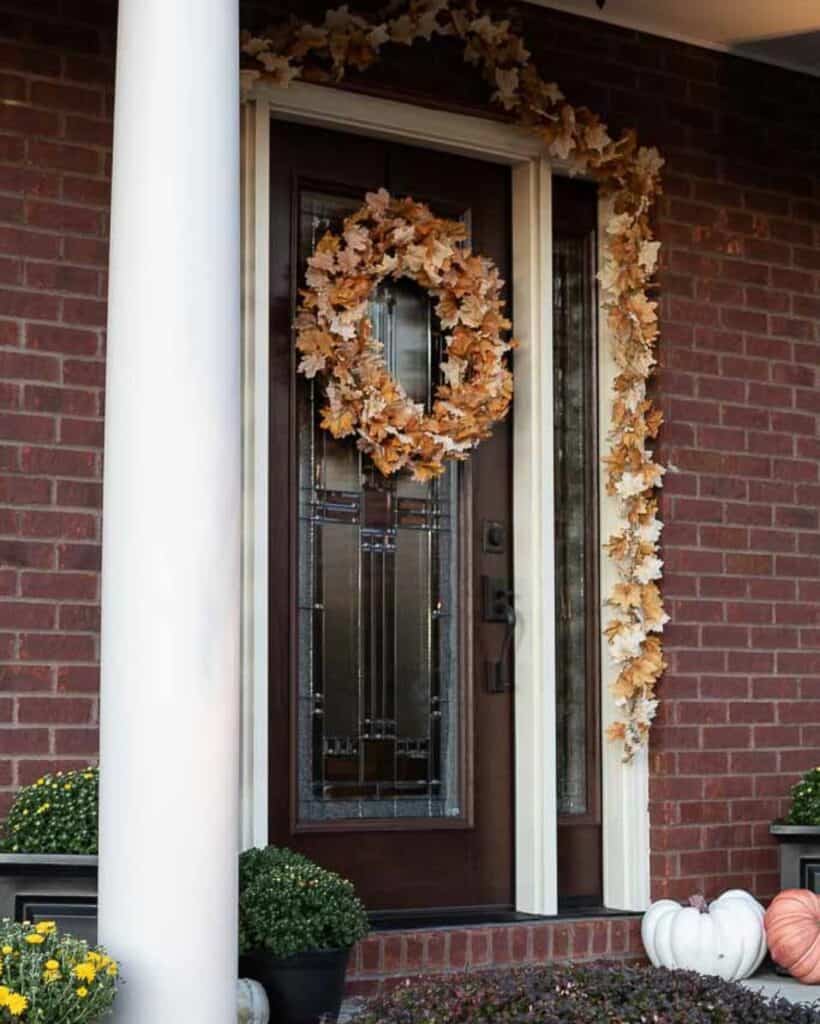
x=498, y=672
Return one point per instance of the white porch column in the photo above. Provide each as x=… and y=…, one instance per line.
x=170, y=692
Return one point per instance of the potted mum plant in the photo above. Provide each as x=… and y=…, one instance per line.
x=50, y=834
x=49, y=978
x=297, y=924
x=798, y=835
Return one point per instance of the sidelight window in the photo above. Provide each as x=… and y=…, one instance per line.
x=576, y=494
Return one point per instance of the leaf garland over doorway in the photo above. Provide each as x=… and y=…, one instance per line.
x=629, y=178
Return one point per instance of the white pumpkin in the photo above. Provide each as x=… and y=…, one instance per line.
x=725, y=937
x=252, y=1002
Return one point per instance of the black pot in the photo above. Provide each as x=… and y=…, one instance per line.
x=302, y=988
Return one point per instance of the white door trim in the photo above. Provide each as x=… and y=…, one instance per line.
x=533, y=540
x=536, y=855
x=624, y=788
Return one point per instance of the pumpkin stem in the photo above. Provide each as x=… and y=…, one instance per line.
x=698, y=901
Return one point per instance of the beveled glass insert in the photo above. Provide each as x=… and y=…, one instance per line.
x=378, y=625
x=575, y=509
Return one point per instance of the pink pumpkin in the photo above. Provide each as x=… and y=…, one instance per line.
x=792, y=925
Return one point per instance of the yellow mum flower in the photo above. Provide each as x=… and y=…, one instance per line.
x=17, y=1004
x=4, y=995
x=52, y=965
x=82, y=992
x=50, y=976
x=35, y=939
x=86, y=972
x=112, y=970
x=45, y=927
x=7, y=949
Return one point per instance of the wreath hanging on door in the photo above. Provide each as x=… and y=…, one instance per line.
x=400, y=238
x=629, y=177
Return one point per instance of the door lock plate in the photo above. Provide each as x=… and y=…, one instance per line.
x=495, y=605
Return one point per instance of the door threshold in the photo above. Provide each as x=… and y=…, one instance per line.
x=466, y=917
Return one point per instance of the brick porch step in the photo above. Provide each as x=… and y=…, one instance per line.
x=386, y=958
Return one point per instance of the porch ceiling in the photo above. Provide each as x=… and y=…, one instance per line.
x=785, y=32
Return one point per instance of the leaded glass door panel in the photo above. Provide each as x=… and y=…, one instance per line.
x=378, y=704
x=392, y=762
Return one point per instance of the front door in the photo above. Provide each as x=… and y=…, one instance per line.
x=391, y=730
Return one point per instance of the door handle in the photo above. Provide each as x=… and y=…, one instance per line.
x=499, y=607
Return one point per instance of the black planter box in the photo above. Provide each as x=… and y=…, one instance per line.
x=51, y=887
x=799, y=855
x=301, y=989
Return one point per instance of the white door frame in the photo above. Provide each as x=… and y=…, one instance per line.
x=533, y=534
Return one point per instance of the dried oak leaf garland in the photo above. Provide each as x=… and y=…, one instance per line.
x=400, y=238
x=629, y=177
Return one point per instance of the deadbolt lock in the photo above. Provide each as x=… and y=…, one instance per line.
x=493, y=537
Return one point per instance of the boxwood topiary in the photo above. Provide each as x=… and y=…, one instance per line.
x=56, y=814
x=805, y=808
x=599, y=993
x=288, y=905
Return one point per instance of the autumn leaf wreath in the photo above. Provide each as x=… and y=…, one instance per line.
x=400, y=238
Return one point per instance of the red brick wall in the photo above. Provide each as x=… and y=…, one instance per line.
x=385, y=959
x=55, y=123
x=740, y=223
x=741, y=302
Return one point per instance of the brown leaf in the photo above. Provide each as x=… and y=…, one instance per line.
x=652, y=605
x=625, y=596
x=617, y=546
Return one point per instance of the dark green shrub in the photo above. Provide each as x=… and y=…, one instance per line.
x=56, y=814
x=288, y=904
x=805, y=808
x=599, y=993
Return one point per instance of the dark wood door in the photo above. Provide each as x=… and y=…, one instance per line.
x=391, y=760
